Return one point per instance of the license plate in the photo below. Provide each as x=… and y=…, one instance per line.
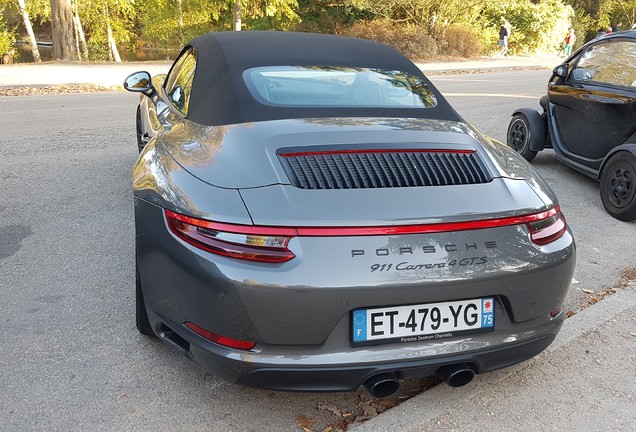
x=422, y=322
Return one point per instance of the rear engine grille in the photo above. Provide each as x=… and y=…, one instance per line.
x=384, y=169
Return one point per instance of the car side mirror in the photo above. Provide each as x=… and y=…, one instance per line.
x=561, y=71
x=580, y=74
x=139, y=82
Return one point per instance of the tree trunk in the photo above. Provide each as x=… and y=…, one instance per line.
x=113, y=53
x=62, y=29
x=181, y=36
x=236, y=25
x=79, y=33
x=29, y=29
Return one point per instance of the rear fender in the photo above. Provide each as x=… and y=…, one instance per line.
x=537, y=125
x=624, y=147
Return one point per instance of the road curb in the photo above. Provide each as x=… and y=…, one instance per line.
x=432, y=404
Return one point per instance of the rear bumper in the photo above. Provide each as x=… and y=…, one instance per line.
x=302, y=373
x=349, y=378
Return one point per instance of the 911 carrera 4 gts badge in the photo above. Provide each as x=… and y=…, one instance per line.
x=405, y=265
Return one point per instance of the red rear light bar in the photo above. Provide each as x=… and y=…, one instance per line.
x=332, y=152
x=250, y=243
x=269, y=244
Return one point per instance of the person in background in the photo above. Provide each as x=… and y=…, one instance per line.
x=617, y=27
x=504, y=33
x=570, y=38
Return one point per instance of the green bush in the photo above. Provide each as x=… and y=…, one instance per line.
x=414, y=43
x=536, y=27
x=97, y=51
x=7, y=38
x=459, y=41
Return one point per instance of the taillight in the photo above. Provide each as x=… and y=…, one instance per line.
x=221, y=340
x=547, y=226
x=269, y=244
x=264, y=244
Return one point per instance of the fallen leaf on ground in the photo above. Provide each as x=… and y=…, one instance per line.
x=575, y=282
x=304, y=422
x=588, y=291
x=368, y=410
x=57, y=89
x=386, y=404
x=331, y=408
x=569, y=313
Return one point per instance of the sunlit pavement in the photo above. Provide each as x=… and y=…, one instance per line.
x=585, y=381
x=112, y=74
x=45, y=74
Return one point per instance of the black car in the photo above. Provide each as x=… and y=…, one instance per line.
x=589, y=119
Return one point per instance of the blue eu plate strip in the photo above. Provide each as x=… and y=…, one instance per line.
x=359, y=325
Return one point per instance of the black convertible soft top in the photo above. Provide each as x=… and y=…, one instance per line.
x=220, y=96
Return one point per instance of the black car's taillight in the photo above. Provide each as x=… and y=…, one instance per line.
x=253, y=243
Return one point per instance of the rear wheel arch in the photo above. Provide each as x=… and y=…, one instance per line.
x=526, y=132
x=141, y=313
x=631, y=148
x=618, y=184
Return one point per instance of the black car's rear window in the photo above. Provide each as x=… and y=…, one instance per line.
x=321, y=86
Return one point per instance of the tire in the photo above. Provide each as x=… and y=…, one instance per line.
x=520, y=137
x=618, y=186
x=141, y=314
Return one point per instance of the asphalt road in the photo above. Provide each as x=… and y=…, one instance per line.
x=71, y=359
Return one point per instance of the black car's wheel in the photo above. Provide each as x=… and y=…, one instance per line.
x=618, y=186
x=520, y=136
x=141, y=315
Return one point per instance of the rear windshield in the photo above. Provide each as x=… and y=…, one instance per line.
x=320, y=86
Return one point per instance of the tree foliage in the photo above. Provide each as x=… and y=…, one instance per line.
x=432, y=15
x=7, y=37
x=412, y=42
x=536, y=27
x=456, y=27
x=592, y=15
x=158, y=23
x=97, y=15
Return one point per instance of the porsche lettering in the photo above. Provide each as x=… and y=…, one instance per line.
x=428, y=249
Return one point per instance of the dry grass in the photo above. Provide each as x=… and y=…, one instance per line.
x=57, y=89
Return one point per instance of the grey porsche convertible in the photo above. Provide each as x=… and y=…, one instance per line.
x=312, y=215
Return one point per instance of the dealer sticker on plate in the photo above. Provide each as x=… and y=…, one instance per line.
x=423, y=321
